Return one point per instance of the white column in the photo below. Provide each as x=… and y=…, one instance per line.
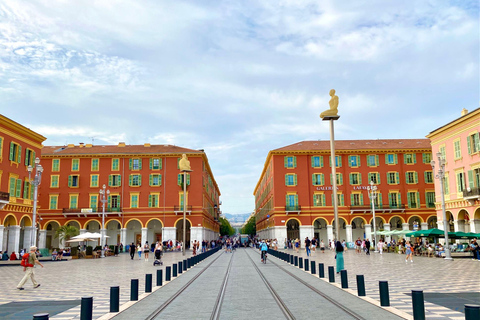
x=144, y=236
x=1, y=237
x=169, y=233
x=348, y=230
x=368, y=232
x=329, y=233
x=440, y=224
x=424, y=226
x=455, y=225
x=196, y=233
x=82, y=231
x=4, y=239
x=305, y=231
x=386, y=227
x=42, y=238
x=405, y=226
x=123, y=236
x=280, y=233
x=13, y=239
x=27, y=238
x=475, y=226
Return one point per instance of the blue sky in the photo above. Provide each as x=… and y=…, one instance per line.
x=236, y=78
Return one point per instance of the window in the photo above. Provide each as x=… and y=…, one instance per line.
x=339, y=179
x=411, y=177
x=446, y=189
x=474, y=178
x=73, y=181
x=55, y=165
x=155, y=180
x=355, y=178
x=134, y=200
x=428, y=176
x=115, y=164
x=391, y=158
x=430, y=199
x=153, y=200
x=378, y=201
x=18, y=188
x=372, y=160
x=73, y=201
x=15, y=152
x=473, y=143
x=95, y=165
x=29, y=157
x=375, y=177
x=75, y=164
x=413, y=201
x=460, y=181
x=394, y=200
x=114, y=180
x=393, y=178
x=409, y=158
x=135, y=164
x=318, y=179
x=290, y=162
x=338, y=161
x=319, y=200
x=135, y=180
x=12, y=185
x=54, y=181
x=340, y=199
x=441, y=149
x=180, y=179
x=456, y=149
x=155, y=164
x=291, y=202
x=427, y=158
x=53, y=202
x=94, y=180
x=290, y=179
x=27, y=190
x=114, y=201
x=94, y=202
x=354, y=161
x=356, y=199
x=317, y=162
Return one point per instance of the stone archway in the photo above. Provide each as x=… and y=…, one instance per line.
x=10, y=234
x=293, y=229
x=342, y=233
x=113, y=228
x=396, y=223
x=432, y=222
x=358, y=229
x=414, y=223
x=179, y=226
x=26, y=234
x=320, y=230
x=134, y=232
x=450, y=222
x=51, y=241
x=154, y=231
x=463, y=221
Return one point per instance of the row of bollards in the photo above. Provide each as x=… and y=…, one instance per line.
x=86, y=305
x=472, y=312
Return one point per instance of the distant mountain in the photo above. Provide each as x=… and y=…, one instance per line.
x=239, y=218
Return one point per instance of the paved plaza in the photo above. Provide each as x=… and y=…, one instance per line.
x=64, y=283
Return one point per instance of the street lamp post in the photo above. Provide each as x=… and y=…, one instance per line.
x=103, y=199
x=37, y=179
x=372, y=193
x=441, y=176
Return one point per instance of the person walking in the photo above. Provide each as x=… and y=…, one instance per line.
x=380, y=246
x=314, y=245
x=358, y=245
x=367, y=247
x=139, y=251
x=297, y=245
x=322, y=246
x=146, y=250
x=308, y=243
x=29, y=269
x=408, y=251
x=339, y=256
x=194, y=248
x=131, y=250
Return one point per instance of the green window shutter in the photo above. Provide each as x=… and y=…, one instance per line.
x=409, y=200
x=399, y=198
x=159, y=179
x=352, y=199
x=12, y=146
x=380, y=200
x=118, y=201
x=70, y=181
x=150, y=163
x=416, y=177
x=295, y=179
x=19, y=188
x=386, y=158
x=424, y=157
x=350, y=161
x=404, y=158
x=321, y=161
x=139, y=179
x=25, y=190
x=26, y=157
x=477, y=139
x=378, y=177
x=350, y=176
x=471, y=183
x=396, y=158
x=377, y=161
x=287, y=203
x=342, y=200
x=323, y=200
x=130, y=179
x=369, y=177
x=425, y=176
x=459, y=185
x=286, y=179
x=188, y=179
x=119, y=180
x=398, y=177
x=19, y=154
x=313, y=161
x=109, y=180
x=358, y=161
x=361, y=199
x=150, y=180
x=140, y=163
x=109, y=202
x=330, y=161
x=294, y=161
x=390, y=199
x=322, y=178
x=341, y=178
x=33, y=157
x=160, y=163
x=414, y=156
x=406, y=177
x=331, y=180
x=296, y=200
x=314, y=179
x=179, y=179
x=130, y=164
x=359, y=178
x=149, y=200
x=339, y=161
x=285, y=161
x=12, y=187
x=418, y=200
x=368, y=161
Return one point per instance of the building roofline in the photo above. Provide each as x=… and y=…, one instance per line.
x=453, y=122
x=20, y=128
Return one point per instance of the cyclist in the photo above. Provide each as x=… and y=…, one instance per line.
x=263, y=249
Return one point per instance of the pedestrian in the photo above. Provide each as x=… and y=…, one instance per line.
x=322, y=246
x=146, y=250
x=409, y=252
x=380, y=246
x=358, y=245
x=308, y=243
x=314, y=245
x=29, y=269
x=297, y=245
x=195, y=247
x=139, y=251
x=367, y=247
x=339, y=256
x=132, y=250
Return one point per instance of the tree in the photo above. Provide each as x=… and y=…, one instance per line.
x=66, y=232
x=250, y=227
x=225, y=228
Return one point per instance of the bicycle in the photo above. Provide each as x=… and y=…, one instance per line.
x=264, y=256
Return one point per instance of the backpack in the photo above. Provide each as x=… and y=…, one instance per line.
x=24, y=262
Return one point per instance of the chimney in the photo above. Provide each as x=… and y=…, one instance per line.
x=88, y=145
x=71, y=145
x=146, y=145
x=464, y=112
x=81, y=144
x=121, y=144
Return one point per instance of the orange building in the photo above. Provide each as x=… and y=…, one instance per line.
x=145, y=200
x=293, y=197
x=19, y=146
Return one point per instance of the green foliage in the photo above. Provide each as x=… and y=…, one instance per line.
x=250, y=227
x=225, y=228
x=74, y=251
x=66, y=232
x=89, y=250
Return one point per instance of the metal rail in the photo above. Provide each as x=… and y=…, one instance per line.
x=218, y=303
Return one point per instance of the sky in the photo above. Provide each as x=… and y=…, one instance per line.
x=236, y=78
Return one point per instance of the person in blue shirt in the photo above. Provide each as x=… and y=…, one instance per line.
x=263, y=249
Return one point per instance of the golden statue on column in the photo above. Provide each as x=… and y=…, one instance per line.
x=333, y=111
x=184, y=163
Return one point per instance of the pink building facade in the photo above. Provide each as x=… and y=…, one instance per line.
x=458, y=142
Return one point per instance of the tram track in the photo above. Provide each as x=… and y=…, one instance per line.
x=218, y=303
x=326, y=297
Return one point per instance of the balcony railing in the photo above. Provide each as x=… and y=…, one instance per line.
x=471, y=193
x=293, y=208
x=377, y=207
x=4, y=196
x=180, y=208
x=91, y=210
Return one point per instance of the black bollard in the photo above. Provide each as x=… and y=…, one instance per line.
x=159, y=277
x=189, y=263
x=384, y=296
x=134, y=290
x=331, y=274
x=360, y=285
x=174, y=270
x=148, y=282
x=41, y=316
x=168, y=273
x=114, y=299
x=472, y=312
x=300, y=263
x=321, y=270
x=313, y=267
x=307, y=265
x=180, y=267
x=291, y=259
x=418, y=305
x=344, y=279
x=185, y=265
x=296, y=261
x=86, y=308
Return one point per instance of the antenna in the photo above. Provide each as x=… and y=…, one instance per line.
x=93, y=139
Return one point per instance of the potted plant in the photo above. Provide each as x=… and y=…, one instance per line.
x=89, y=252
x=74, y=252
